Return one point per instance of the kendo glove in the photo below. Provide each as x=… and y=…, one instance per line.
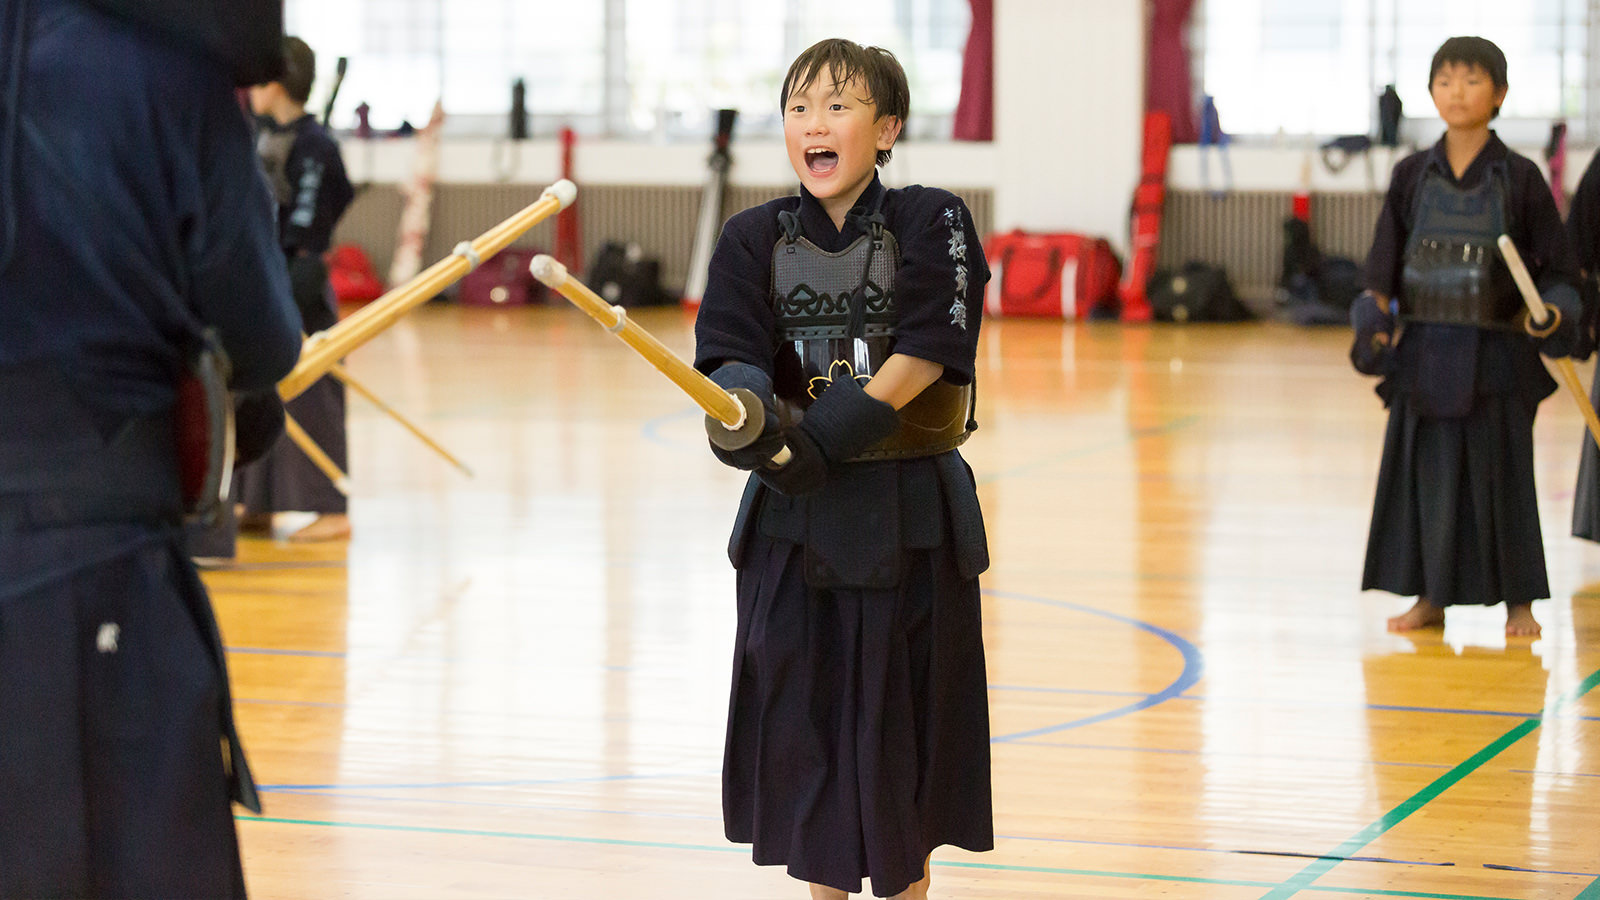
x=257, y=422
x=844, y=421
x=754, y=380
x=1372, y=353
x=1558, y=334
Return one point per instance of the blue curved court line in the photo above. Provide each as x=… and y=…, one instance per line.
x=1087, y=692
x=1193, y=667
x=652, y=427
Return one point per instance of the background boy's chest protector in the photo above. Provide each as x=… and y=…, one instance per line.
x=1453, y=272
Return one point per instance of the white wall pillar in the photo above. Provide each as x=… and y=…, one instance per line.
x=1069, y=101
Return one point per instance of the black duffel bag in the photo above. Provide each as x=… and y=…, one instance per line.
x=1198, y=292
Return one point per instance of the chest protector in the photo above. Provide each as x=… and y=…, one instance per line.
x=836, y=318
x=273, y=146
x=1453, y=272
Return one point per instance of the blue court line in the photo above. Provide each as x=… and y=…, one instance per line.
x=543, y=807
x=1193, y=667
x=1190, y=674
x=1539, y=871
x=1225, y=850
x=1289, y=701
x=1557, y=774
x=1088, y=692
x=1187, y=751
x=652, y=427
x=1305, y=878
x=269, y=651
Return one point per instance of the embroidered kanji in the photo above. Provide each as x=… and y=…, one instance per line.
x=958, y=315
x=958, y=245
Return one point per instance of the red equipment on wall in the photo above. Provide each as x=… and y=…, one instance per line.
x=1148, y=200
x=568, y=251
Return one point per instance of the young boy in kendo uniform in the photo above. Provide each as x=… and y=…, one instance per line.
x=307, y=173
x=858, y=733
x=1456, y=519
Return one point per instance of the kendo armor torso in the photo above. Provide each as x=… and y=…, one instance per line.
x=1453, y=273
x=836, y=317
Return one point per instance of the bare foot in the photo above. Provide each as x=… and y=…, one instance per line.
x=255, y=523
x=1520, y=621
x=327, y=527
x=1422, y=614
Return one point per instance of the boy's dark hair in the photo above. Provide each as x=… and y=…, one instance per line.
x=299, y=69
x=1471, y=51
x=877, y=68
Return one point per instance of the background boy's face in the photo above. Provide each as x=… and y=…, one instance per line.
x=262, y=97
x=1465, y=95
x=833, y=137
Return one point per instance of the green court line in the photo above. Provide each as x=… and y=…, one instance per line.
x=992, y=867
x=1592, y=892
x=1304, y=879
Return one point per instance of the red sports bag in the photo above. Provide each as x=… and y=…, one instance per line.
x=502, y=280
x=351, y=273
x=1050, y=275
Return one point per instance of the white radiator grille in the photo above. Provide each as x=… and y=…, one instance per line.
x=659, y=219
x=1242, y=231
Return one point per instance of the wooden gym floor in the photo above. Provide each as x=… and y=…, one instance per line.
x=514, y=685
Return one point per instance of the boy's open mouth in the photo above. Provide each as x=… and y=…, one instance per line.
x=821, y=162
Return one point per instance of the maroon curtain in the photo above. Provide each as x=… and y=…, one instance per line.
x=1167, y=85
x=974, y=119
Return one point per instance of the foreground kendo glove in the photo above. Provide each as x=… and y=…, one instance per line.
x=1372, y=353
x=844, y=421
x=1558, y=334
x=752, y=379
x=257, y=422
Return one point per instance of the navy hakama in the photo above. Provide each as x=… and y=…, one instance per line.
x=858, y=730
x=1456, y=519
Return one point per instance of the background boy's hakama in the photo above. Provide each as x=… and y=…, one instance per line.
x=1583, y=231
x=313, y=193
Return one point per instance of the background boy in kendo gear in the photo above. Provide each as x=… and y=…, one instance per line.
x=1456, y=518
x=858, y=733
x=307, y=174
x=133, y=218
x=1583, y=232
